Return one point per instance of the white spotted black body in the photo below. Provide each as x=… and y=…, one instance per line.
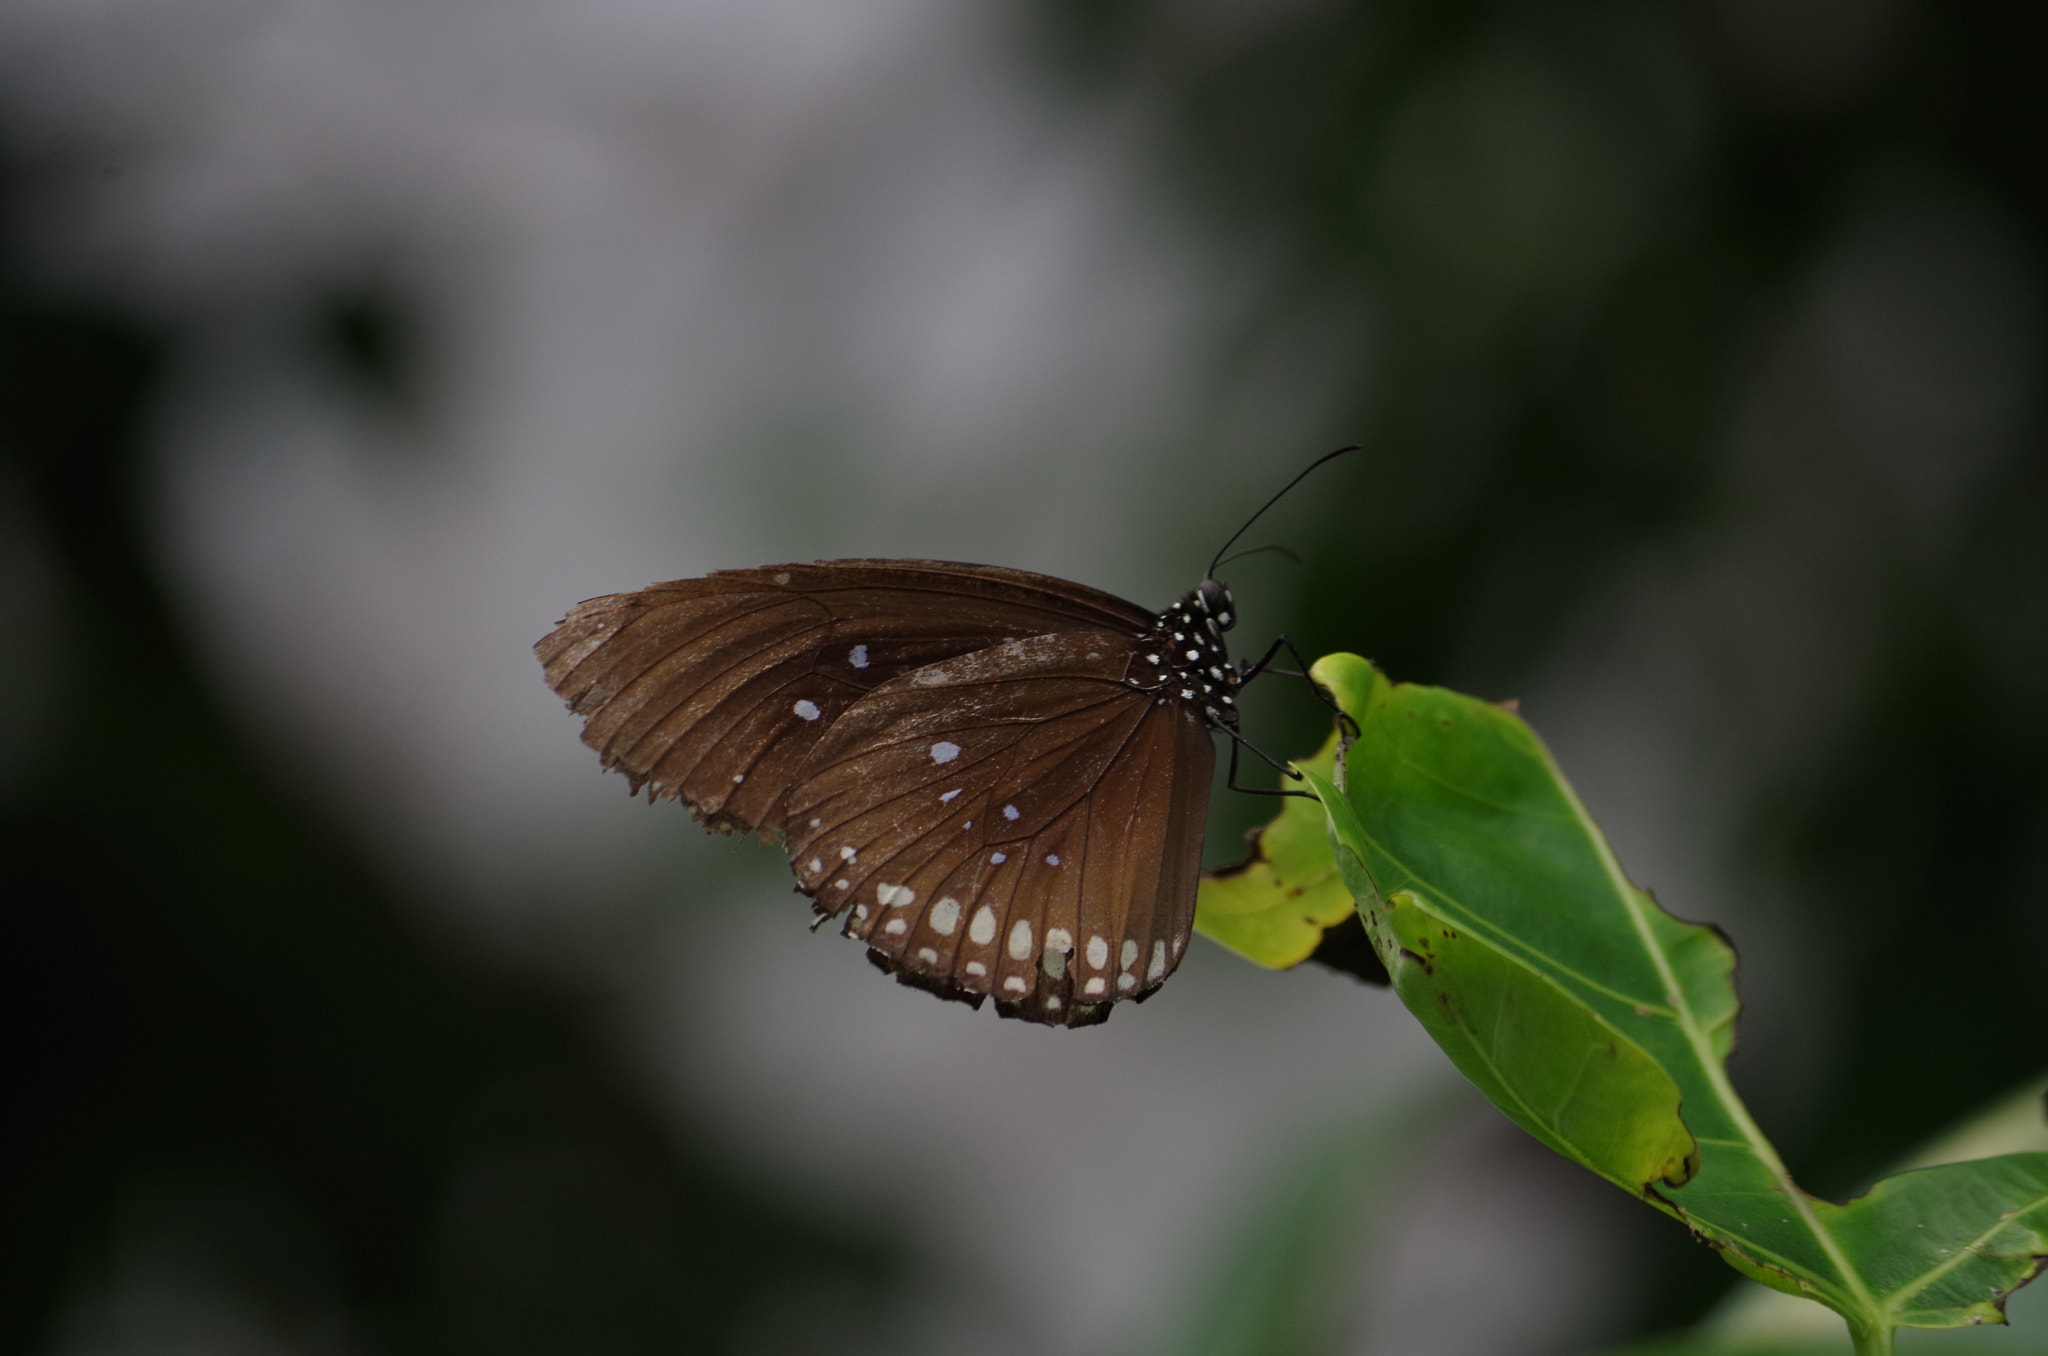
x=1184, y=657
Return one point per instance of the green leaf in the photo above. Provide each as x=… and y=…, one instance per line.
x=1474, y=862
x=1942, y=1247
x=1601, y=1023
x=1274, y=908
x=1754, y=1317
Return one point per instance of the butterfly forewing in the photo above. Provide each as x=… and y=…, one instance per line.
x=714, y=690
x=1020, y=822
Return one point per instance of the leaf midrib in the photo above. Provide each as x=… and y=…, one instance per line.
x=1700, y=1039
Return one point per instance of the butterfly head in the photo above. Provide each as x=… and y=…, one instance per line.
x=1216, y=605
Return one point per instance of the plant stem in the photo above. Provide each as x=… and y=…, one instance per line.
x=1874, y=1339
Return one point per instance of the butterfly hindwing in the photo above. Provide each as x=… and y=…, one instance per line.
x=715, y=690
x=1020, y=822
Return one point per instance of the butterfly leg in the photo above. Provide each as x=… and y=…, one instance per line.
x=1346, y=726
x=1236, y=741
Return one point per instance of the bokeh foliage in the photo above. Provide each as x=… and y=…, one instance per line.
x=240, y=1069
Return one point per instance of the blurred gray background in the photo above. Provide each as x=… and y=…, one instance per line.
x=1697, y=353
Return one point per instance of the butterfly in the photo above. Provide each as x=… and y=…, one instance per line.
x=997, y=780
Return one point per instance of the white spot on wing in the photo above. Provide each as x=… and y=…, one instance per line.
x=847, y=854
x=976, y=968
x=945, y=916
x=1059, y=939
x=945, y=751
x=1052, y=1002
x=817, y=823
x=1014, y=985
x=1157, y=969
x=927, y=955
x=807, y=709
x=817, y=866
x=999, y=857
x=859, y=657
x=895, y=896
x=1093, y=986
x=782, y=578
x=1125, y=983
x=1129, y=956
x=1052, y=859
x=895, y=927
x=1010, y=812
x=1020, y=940
x=982, y=930
x=841, y=884
x=1098, y=952
x=945, y=796
x=738, y=777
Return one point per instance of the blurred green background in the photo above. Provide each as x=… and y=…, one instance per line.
x=1697, y=349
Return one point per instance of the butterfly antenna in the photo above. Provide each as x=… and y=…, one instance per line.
x=1257, y=550
x=1210, y=573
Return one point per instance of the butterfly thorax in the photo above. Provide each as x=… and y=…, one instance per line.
x=1185, y=657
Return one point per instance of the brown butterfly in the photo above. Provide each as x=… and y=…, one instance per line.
x=998, y=780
